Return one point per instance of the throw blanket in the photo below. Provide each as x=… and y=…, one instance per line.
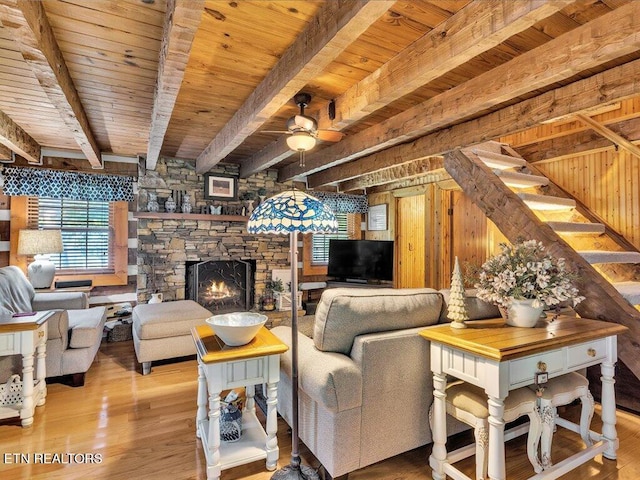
x=16, y=292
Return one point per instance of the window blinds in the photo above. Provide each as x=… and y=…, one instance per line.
x=86, y=232
x=320, y=242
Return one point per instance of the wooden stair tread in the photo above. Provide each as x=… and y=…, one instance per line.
x=499, y=161
x=603, y=256
x=629, y=290
x=521, y=180
x=547, y=202
x=576, y=227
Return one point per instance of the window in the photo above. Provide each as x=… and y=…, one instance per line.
x=316, y=246
x=94, y=234
x=86, y=229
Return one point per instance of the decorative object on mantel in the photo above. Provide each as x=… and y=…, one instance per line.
x=457, y=311
x=248, y=198
x=220, y=187
x=293, y=212
x=522, y=280
x=262, y=194
x=215, y=209
x=186, y=203
x=152, y=203
x=170, y=204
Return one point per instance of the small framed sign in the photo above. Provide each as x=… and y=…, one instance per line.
x=377, y=217
x=220, y=187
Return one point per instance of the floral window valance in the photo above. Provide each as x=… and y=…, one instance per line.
x=37, y=182
x=343, y=203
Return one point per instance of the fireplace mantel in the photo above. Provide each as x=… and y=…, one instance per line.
x=190, y=216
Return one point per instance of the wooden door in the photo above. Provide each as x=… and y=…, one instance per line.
x=410, y=242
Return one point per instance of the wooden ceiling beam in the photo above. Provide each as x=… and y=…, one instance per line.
x=616, y=84
x=406, y=171
x=336, y=26
x=438, y=175
x=476, y=28
x=39, y=48
x=519, y=76
x=609, y=134
x=6, y=154
x=16, y=139
x=182, y=19
x=579, y=143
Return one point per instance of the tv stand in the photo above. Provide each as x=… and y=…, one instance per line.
x=356, y=284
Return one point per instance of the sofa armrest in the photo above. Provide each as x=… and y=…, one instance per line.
x=58, y=327
x=331, y=379
x=86, y=326
x=60, y=300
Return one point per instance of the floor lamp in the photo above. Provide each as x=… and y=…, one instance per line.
x=293, y=212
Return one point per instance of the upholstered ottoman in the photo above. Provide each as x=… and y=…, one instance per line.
x=163, y=330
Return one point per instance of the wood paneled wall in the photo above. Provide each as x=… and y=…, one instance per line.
x=608, y=183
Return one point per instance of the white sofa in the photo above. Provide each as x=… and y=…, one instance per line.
x=74, y=333
x=365, y=379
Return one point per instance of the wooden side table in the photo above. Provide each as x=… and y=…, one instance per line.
x=221, y=367
x=26, y=336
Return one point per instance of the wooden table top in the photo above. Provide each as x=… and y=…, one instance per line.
x=19, y=324
x=494, y=340
x=212, y=349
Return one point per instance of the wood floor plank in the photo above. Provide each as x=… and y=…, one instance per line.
x=143, y=427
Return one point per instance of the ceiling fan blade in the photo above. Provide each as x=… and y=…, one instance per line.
x=274, y=131
x=329, y=135
x=306, y=123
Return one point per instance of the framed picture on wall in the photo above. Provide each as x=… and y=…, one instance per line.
x=220, y=187
x=377, y=217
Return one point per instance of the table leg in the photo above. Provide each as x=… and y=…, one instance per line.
x=213, y=437
x=497, y=470
x=250, y=391
x=273, y=452
x=439, y=452
x=41, y=368
x=26, y=413
x=608, y=402
x=201, y=413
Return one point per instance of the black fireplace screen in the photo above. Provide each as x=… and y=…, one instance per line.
x=221, y=286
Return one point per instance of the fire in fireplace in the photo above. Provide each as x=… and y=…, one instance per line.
x=221, y=286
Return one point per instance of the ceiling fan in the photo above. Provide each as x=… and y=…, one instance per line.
x=303, y=129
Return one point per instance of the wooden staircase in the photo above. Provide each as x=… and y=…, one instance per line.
x=523, y=203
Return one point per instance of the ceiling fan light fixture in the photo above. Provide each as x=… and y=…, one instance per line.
x=301, y=141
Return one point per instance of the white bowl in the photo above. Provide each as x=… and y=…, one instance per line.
x=237, y=328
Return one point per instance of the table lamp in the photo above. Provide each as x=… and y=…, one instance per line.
x=293, y=212
x=40, y=243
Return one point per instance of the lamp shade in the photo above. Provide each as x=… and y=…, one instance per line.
x=39, y=242
x=292, y=211
x=301, y=141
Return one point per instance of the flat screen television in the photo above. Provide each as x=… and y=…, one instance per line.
x=360, y=260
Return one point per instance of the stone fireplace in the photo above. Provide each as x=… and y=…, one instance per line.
x=221, y=286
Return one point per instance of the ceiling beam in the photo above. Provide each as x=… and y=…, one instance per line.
x=579, y=143
x=437, y=175
x=609, y=134
x=335, y=27
x=504, y=83
x=476, y=28
x=613, y=85
x=6, y=154
x=407, y=170
x=15, y=138
x=181, y=22
x=39, y=48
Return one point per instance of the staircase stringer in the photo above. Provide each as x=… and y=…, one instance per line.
x=516, y=220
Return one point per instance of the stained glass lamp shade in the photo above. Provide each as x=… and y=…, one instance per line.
x=293, y=212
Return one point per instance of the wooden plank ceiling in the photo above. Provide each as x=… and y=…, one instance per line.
x=209, y=80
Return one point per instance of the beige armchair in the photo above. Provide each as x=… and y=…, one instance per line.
x=74, y=332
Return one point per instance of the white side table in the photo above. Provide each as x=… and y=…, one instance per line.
x=26, y=336
x=221, y=367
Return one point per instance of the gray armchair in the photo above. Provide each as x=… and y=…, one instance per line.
x=74, y=333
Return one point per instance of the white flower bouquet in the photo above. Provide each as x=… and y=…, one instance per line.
x=525, y=271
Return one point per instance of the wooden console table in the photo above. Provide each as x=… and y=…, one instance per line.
x=26, y=336
x=221, y=367
x=505, y=358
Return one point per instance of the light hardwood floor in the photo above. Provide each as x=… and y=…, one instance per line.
x=143, y=428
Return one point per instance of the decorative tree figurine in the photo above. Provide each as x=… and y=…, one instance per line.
x=457, y=312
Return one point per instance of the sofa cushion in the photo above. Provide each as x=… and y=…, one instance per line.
x=16, y=292
x=168, y=319
x=344, y=313
x=58, y=327
x=86, y=326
